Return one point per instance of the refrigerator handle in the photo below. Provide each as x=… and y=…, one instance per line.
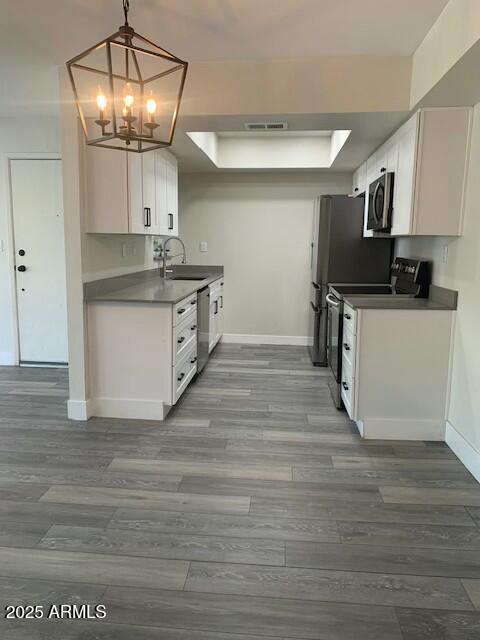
x=332, y=300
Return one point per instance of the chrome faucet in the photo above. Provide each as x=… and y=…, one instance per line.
x=164, y=255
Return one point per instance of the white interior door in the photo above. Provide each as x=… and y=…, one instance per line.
x=40, y=260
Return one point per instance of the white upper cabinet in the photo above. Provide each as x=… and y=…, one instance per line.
x=406, y=140
x=131, y=192
x=429, y=156
x=150, y=215
x=106, y=202
x=172, y=194
x=167, y=192
x=138, y=220
x=360, y=180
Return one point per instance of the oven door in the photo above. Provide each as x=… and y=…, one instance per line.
x=380, y=199
x=335, y=330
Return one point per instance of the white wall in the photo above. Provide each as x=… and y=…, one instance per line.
x=103, y=255
x=258, y=225
x=454, y=32
x=29, y=136
x=329, y=84
x=461, y=271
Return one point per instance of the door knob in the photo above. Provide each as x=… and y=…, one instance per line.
x=22, y=267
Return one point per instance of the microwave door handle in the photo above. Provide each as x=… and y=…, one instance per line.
x=332, y=300
x=375, y=214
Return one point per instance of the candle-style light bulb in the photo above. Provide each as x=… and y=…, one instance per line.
x=128, y=97
x=101, y=102
x=151, y=108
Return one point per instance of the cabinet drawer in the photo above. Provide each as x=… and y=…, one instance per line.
x=183, y=308
x=349, y=319
x=348, y=348
x=184, y=336
x=347, y=386
x=183, y=372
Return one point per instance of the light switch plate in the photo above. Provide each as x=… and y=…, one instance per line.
x=203, y=246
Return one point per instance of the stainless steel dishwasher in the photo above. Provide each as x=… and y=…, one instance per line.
x=203, y=302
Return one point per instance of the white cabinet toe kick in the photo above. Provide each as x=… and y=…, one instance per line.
x=395, y=371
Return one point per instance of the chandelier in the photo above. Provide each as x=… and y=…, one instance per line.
x=127, y=91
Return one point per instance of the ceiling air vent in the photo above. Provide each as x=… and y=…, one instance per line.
x=266, y=126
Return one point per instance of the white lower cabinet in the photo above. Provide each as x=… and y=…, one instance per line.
x=142, y=356
x=184, y=371
x=395, y=369
x=216, y=313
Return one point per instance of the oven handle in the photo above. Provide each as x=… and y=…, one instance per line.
x=330, y=298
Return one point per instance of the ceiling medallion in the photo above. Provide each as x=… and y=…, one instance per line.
x=127, y=91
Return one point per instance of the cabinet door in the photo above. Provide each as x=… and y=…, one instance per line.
x=149, y=193
x=213, y=322
x=172, y=194
x=360, y=180
x=220, y=316
x=371, y=169
x=404, y=183
x=161, y=192
x=106, y=191
x=137, y=217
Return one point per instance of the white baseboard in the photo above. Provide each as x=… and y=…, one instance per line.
x=7, y=359
x=464, y=451
x=79, y=409
x=403, y=429
x=248, y=338
x=129, y=409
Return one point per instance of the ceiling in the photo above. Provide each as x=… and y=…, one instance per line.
x=51, y=31
x=368, y=131
x=39, y=35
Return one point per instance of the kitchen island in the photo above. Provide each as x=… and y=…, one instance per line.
x=143, y=339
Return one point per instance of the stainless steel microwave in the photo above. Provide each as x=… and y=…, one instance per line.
x=380, y=203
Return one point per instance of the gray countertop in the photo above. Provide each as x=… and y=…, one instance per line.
x=149, y=286
x=440, y=300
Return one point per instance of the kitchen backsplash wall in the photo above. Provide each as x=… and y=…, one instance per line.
x=105, y=256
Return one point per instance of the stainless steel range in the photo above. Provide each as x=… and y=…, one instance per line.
x=410, y=278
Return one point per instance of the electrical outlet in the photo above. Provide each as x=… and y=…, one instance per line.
x=203, y=246
x=445, y=254
x=124, y=249
x=134, y=250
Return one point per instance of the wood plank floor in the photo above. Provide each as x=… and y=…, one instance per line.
x=254, y=512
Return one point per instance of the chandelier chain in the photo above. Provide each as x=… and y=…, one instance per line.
x=126, y=8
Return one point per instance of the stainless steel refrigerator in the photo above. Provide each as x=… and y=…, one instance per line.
x=340, y=253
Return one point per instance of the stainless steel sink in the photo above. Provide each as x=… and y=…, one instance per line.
x=187, y=278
